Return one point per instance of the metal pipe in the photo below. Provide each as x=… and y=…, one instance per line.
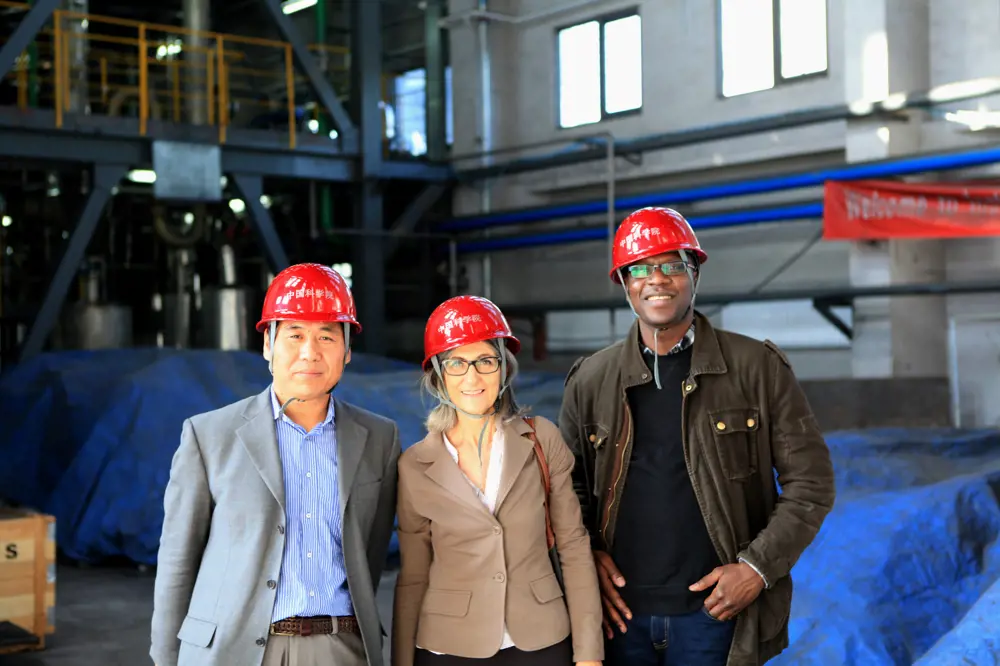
x=610, y=148
x=830, y=295
x=712, y=221
x=889, y=109
x=483, y=15
x=875, y=169
x=486, y=134
x=197, y=18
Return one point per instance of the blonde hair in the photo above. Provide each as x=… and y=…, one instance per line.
x=443, y=417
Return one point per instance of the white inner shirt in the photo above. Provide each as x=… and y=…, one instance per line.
x=488, y=498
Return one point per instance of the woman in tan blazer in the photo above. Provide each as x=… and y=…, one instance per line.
x=476, y=581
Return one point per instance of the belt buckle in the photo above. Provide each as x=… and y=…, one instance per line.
x=275, y=632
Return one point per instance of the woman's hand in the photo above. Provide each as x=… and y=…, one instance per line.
x=589, y=663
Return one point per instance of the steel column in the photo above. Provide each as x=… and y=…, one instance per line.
x=105, y=177
x=407, y=221
x=320, y=85
x=27, y=29
x=366, y=42
x=251, y=188
x=437, y=140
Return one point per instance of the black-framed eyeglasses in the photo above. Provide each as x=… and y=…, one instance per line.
x=670, y=269
x=457, y=367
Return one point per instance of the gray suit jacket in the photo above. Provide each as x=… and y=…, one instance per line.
x=223, y=531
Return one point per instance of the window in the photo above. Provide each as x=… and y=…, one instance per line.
x=600, y=69
x=346, y=271
x=768, y=42
x=406, y=118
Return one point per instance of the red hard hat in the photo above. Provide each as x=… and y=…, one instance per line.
x=463, y=320
x=651, y=231
x=309, y=292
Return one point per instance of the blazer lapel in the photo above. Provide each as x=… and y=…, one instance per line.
x=261, y=443
x=445, y=472
x=351, y=440
x=518, y=450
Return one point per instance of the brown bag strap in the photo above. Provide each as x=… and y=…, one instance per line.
x=543, y=466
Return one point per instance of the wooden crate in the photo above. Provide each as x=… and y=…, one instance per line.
x=27, y=576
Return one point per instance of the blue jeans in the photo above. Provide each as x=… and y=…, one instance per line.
x=696, y=639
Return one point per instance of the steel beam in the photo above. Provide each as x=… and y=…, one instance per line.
x=78, y=147
x=289, y=164
x=892, y=108
x=408, y=220
x=400, y=170
x=105, y=177
x=251, y=187
x=833, y=295
x=825, y=309
x=24, y=34
x=320, y=85
x=366, y=27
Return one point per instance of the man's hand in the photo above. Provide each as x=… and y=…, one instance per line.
x=589, y=663
x=610, y=579
x=736, y=587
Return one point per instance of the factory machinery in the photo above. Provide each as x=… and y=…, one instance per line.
x=169, y=259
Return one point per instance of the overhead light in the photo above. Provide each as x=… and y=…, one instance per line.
x=237, y=205
x=146, y=176
x=292, y=6
x=6, y=221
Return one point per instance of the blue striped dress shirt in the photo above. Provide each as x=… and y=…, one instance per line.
x=313, y=578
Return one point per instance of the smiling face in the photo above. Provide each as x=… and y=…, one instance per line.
x=308, y=358
x=660, y=300
x=475, y=391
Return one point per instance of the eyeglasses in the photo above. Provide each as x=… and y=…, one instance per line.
x=457, y=367
x=670, y=269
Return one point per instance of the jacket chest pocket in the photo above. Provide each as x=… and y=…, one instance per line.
x=734, y=432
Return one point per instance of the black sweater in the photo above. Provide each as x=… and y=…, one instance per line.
x=661, y=544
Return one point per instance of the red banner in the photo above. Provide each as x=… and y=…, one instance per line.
x=872, y=209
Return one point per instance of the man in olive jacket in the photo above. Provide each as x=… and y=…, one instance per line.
x=677, y=430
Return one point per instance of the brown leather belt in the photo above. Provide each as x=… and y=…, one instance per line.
x=307, y=626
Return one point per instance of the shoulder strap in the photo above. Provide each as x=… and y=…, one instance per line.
x=543, y=467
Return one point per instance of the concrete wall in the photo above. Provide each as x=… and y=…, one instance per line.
x=874, y=49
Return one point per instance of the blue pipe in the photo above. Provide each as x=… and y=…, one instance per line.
x=883, y=168
x=795, y=212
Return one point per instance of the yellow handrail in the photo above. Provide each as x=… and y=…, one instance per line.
x=146, y=75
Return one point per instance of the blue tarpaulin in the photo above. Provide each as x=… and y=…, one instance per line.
x=905, y=569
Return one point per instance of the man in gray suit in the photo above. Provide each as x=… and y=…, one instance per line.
x=279, y=508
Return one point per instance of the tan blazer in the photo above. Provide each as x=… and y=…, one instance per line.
x=464, y=571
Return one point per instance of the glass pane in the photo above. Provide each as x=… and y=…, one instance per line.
x=803, y=37
x=747, y=44
x=411, y=112
x=623, y=64
x=579, y=75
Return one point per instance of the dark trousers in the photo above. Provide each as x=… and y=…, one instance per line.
x=560, y=654
x=696, y=639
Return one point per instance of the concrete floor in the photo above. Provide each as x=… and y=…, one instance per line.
x=103, y=616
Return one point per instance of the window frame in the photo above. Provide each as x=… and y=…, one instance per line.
x=602, y=20
x=779, y=79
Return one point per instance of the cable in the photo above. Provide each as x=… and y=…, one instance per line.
x=798, y=254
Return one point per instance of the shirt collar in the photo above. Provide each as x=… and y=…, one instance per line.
x=276, y=407
x=681, y=345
